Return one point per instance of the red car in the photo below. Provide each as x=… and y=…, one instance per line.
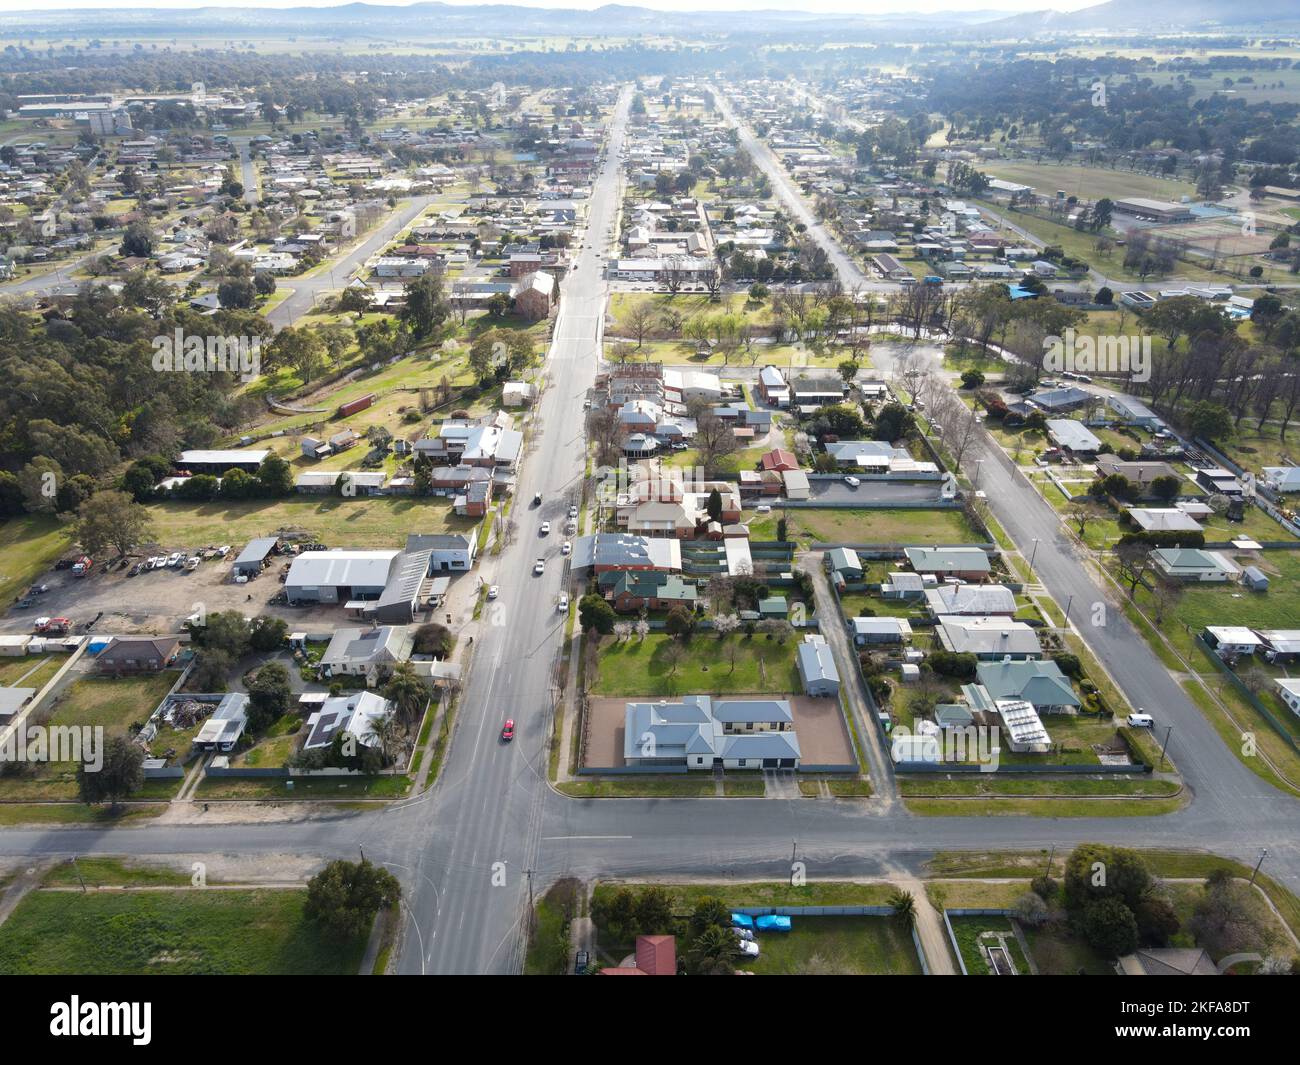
x=508, y=732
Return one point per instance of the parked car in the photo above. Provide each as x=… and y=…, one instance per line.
x=175, y=559
x=748, y=948
x=573, y=511
x=493, y=591
x=1141, y=721
x=852, y=482
x=563, y=605
x=566, y=547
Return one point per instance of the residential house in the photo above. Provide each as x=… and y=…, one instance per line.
x=654, y=956
x=987, y=637
x=1039, y=683
x=966, y=563
x=631, y=591
x=1193, y=564
x=354, y=714
x=138, y=654
x=883, y=630
x=367, y=652
x=987, y=600
x=703, y=733
x=223, y=728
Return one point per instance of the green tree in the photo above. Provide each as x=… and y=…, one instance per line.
x=426, y=306
x=268, y=696
x=595, y=615
x=344, y=897
x=710, y=912
x=121, y=773
x=112, y=519
x=1110, y=927
x=407, y=692
x=274, y=477
x=654, y=912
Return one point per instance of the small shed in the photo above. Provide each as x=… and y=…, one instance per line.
x=1255, y=579
x=253, y=557
x=773, y=607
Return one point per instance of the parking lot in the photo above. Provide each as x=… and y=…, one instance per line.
x=156, y=600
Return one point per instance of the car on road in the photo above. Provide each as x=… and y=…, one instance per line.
x=566, y=547
x=508, y=730
x=537, y=499
x=573, y=511
x=852, y=482
x=539, y=567
x=546, y=528
x=493, y=591
x=563, y=605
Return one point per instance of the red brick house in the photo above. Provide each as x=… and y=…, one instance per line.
x=655, y=956
x=535, y=296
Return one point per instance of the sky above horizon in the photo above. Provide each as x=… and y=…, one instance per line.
x=841, y=7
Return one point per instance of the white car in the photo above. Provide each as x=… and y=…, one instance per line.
x=852, y=482
x=748, y=948
x=175, y=559
x=546, y=528
x=539, y=567
x=493, y=591
x=573, y=511
x=566, y=547
x=563, y=605
x=1141, y=721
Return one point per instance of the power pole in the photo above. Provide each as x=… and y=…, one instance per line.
x=1255, y=872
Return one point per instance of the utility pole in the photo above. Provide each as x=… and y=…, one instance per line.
x=76, y=869
x=1050, y=856
x=1165, y=746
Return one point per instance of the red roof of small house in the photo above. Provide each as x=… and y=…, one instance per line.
x=656, y=955
x=780, y=459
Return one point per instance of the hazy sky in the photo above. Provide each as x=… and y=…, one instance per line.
x=838, y=6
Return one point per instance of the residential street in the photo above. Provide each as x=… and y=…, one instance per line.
x=492, y=834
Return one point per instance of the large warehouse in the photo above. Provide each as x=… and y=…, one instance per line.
x=1155, y=210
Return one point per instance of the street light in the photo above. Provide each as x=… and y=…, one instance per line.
x=1262, y=855
x=1034, y=553
x=978, y=464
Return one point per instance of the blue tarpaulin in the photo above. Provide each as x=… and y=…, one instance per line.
x=773, y=922
x=742, y=920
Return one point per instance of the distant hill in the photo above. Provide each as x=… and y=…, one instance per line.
x=423, y=20
x=1149, y=15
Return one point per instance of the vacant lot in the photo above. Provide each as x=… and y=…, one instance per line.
x=836, y=946
x=112, y=704
x=854, y=526
x=645, y=668
x=186, y=931
x=29, y=671
x=363, y=523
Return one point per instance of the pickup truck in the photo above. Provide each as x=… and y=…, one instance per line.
x=82, y=566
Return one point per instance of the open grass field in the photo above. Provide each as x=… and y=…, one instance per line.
x=863, y=526
x=182, y=931
x=369, y=522
x=642, y=667
x=29, y=671
x=1087, y=181
x=28, y=547
x=112, y=704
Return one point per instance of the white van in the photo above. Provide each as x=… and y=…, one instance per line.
x=1141, y=721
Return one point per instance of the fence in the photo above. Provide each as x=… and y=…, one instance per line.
x=1249, y=696
x=952, y=936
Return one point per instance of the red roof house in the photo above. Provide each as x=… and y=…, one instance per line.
x=779, y=459
x=655, y=956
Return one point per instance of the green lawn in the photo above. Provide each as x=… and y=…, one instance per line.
x=181, y=931
x=29, y=671
x=634, y=667
x=848, y=946
x=362, y=523
x=28, y=547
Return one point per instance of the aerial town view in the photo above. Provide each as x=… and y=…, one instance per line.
x=638, y=490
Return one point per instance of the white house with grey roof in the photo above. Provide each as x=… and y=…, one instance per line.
x=988, y=600
x=354, y=714
x=703, y=733
x=987, y=637
x=362, y=652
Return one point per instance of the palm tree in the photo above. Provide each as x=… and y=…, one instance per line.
x=407, y=692
x=714, y=950
x=904, y=907
x=391, y=736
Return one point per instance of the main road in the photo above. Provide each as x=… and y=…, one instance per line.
x=490, y=833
